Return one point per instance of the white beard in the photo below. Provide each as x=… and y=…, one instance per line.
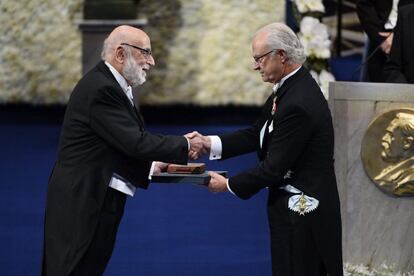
x=134, y=73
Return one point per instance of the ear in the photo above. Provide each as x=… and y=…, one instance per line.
x=120, y=55
x=283, y=56
x=408, y=142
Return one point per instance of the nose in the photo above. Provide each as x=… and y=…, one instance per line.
x=151, y=61
x=256, y=66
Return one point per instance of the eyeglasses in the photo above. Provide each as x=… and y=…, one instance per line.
x=259, y=59
x=146, y=52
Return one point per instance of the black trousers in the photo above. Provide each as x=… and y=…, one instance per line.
x=293, y=247
x=375, y=65
x=100, y=250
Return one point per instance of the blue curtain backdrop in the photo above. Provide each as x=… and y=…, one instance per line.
x=169, y=229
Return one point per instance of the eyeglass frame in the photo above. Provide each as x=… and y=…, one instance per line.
x=146, y=52
x=258, y=60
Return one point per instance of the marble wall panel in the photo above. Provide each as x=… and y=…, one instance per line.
x=377, y=228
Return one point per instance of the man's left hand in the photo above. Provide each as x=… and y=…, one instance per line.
x=159, y=167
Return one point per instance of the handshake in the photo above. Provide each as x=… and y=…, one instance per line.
x=199, y=145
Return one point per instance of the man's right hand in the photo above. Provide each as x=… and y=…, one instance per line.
x=199, y=145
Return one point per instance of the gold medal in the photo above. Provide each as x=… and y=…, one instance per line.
x=387, y=152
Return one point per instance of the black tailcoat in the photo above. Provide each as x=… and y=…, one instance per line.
x=400, y=65
x=102, y=134
x=302, y=141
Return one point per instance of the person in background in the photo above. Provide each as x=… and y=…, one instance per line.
x=104, y=154
x=294, y=140
x=399, y=67
x=378, y=19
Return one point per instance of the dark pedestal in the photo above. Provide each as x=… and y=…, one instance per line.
x=110, y=9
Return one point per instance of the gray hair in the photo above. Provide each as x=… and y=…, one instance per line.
x=107, y=49
x=110, y=43
x=282, y=37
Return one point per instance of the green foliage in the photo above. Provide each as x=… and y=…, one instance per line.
x=365, y=270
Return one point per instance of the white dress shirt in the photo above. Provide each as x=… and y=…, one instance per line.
x=118, y=182
x=393, y=16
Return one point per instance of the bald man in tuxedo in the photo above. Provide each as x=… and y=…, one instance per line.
x=104, y=154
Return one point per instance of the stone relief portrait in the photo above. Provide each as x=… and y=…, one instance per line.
x=388, y=152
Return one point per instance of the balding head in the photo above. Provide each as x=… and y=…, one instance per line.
x=128, y=50
x=123, y=34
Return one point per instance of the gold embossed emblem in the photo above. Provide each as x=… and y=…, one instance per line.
x=387, y=152
x=302, y=205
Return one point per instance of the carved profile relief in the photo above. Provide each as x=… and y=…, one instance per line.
x=388, y=152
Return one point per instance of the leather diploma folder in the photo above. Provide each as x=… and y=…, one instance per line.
x=193, y=173
x=190, y=168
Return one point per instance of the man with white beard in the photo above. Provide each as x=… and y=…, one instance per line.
x=104, y=155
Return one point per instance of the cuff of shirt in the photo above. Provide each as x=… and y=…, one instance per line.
x=228, y=187
x=188, y=143
x=216, y=147
x=120, y=184
x=151, y=170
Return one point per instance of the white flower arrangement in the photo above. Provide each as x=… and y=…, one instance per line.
x=364, y=270
x=314, y=36
x=216, y=37
x=40, y=51
x=323, y=79
x=305, y=6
